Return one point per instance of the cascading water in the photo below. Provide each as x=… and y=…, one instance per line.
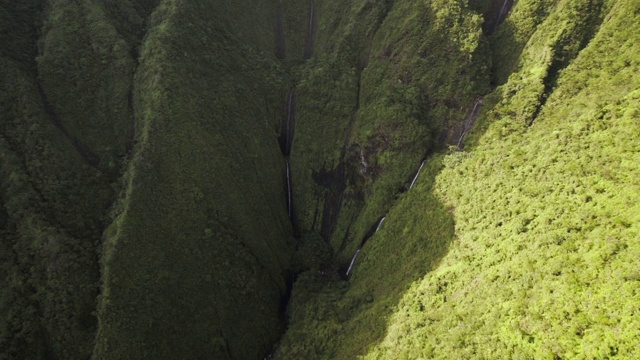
x=353, y=260
x=503, y=11
x=289, y=205
x=289, y=125
x=286, y=141
x=468, y=122
x=417, y=174
x=380, y=223
x=506, y=5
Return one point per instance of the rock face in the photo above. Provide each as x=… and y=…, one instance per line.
x=167, y=168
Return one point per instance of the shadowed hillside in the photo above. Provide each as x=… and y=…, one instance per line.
x=141, y=181
x=319, y=179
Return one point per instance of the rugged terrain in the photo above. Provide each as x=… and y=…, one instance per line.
x=319, y=180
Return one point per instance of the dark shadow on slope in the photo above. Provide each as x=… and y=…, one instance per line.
x=567, y=49
x=132, y=120
x=415, y=237
x=506, y=48
x=495, y=15
x=88, y=156
x=334, y=182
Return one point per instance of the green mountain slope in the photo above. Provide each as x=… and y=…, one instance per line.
x=523, y=245
x=386, y=80
x=142, y=181
x=146, y=210
x=545, y=262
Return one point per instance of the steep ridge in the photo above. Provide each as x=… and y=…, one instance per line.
x=527, y=236
x=203, y=264
x=396, y=116
x=541, y=223
x=56, y=201
x=169, y=169
x=195, y=229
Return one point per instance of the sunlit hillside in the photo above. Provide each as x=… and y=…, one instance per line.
x=319, y=179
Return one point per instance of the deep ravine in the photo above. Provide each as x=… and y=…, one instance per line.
x=467, y=124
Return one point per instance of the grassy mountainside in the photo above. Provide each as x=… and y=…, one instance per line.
x=56, y=183
x=524, y=244
x=545, y=264
x=142, y=206
x=204, y=262
x=143, y=212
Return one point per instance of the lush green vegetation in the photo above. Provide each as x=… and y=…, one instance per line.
x=384, y=82
x=202, y=264
x=539, y=259
x=54, y=203
x=188, y=229
x=142, y=205
x=331, y=318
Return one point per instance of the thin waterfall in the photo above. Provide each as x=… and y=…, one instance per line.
x=353, y=260
x=500, y=15
x=468, y=122
x=288, y=134
x=309, y=45
x=289, y=205
x=380, y=224
x=417, y=174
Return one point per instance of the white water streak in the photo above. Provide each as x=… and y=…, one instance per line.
x=380, y=224
x=469, y=121
x=416, y=177
x=353, y=260
x=289, y=205
x=289, y=111
x=502, y=12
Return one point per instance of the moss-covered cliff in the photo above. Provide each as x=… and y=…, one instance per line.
x=147, y=210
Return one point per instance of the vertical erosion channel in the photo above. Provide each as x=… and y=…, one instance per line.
x=286, y=139
x=286, y=136
x=466, y=125
x=309, y=44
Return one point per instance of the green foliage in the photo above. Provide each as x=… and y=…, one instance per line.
x=334, y=319
x=544, y=222
x=180, y=251
x=313, y=254
x=385, y=81
x=542, y=263
x=524, y=245
x=194, y=262
x=78, y=51
x=55, y=205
